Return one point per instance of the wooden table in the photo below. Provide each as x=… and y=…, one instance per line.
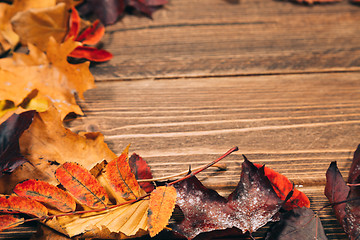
x=280, y=80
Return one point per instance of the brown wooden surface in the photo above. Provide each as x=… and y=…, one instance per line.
x=279, y=80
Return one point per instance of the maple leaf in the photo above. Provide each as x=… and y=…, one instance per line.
x=35, y=26
x=346, y=199
x=161, y=206
x=90, y=36
x=10, y=131
x=50, y=73
x=283, y=187
x=141, y=170
x=297, y=224
x=249, y=207
x=47, y=144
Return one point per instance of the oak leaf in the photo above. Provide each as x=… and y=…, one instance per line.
x=10, y=132
x=162, y=204
x=249, y=207
x=9, y=221
x=297, y=224
x=49, y=73
x=16, y=204
x=36, y=26
x=47, y=194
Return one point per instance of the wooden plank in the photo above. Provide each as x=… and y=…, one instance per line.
x=295, y=124
x=215, y=38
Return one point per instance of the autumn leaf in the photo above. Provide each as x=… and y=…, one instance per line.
x=162, y=204
x=47, y=194
x=82, y=185
x=49, y=73
x=249, y=207
x=141, y=170
x=47, y=144
x=36, y=26
x=297, y=224
x=120, y=177
x=283, y=187
x=9, y=221
x=310, y=2
x=10, y=131
x=16, y=204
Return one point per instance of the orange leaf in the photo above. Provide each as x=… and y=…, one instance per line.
x=46, y=193
x=82, y=185
x=93, y=34
x=283, y=186
x=162, y=203
x=120, y=177
x=10, y=221
x=74, y=24
x=91, y=53
x=16, y=204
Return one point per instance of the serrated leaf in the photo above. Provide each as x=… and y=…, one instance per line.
x=162, y=204
x=120, y=177
x=46, y=193
x=16, y=204
x=82, y=185
x=10, y=221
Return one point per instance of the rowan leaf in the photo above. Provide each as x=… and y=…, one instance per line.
x=252, y=204
x=91, y=53
x=120, y=177
x=10, y=131
x=82, y=185
x=141, y=170
x=283, y=187
x=9, y=221
x=35, y=26
x=162, y=204
x=74, y=24
x=297, y=224
x=47, y=194
x=93, y=34
x=16, y=204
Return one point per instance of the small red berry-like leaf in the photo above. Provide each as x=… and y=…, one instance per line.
x=93, y=34
x=74, y=24
x=141, y=170
x=10, y=221
x=120, y=177
x=16, y=204
x=82, y=185
x=91, y=53
x=283, y=187
x=46, y=193
x=161, y=206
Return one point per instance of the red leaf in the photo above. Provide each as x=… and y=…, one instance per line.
x=283, y=187
x=10, y=221
x=141, y=170
x=82, y=185
x=93, y=34
x=249, y=207
x=91, y=53
x=120, y=177
x=74, y=24
x=46, y=193
x=10, y=131
x=16, y=204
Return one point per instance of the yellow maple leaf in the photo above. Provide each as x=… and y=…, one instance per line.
x=50, y=74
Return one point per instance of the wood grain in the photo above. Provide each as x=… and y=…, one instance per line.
x=214, y=38
x=296, y=124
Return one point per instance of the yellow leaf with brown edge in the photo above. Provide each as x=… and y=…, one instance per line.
x=162, y=204
x=47, y=144
x=50, y=73
x=36, y=26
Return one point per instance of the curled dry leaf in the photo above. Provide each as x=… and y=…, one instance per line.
x=16, y=204
x=47, y=194
x=162, y=204
x=10, y=131
x=82, y=185
x=249, y=207
x=9, y=221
